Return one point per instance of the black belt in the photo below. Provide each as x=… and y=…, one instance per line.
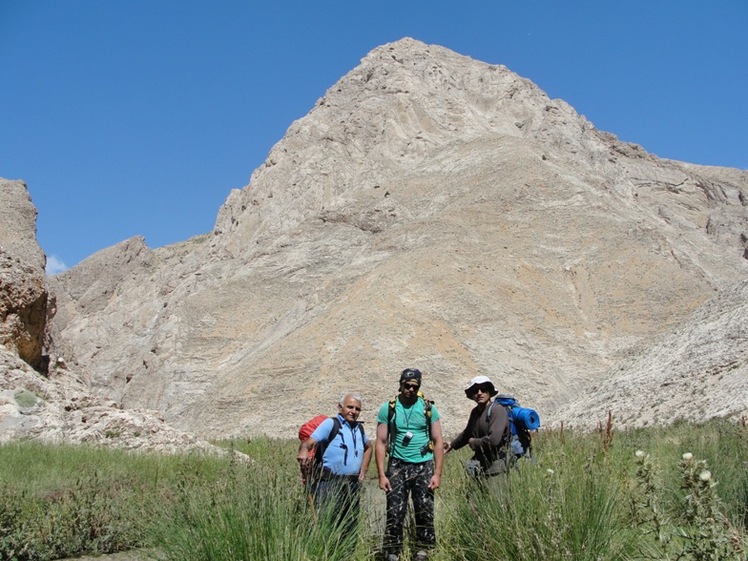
x=327, y=475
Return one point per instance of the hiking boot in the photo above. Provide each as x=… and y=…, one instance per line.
x=422, y=556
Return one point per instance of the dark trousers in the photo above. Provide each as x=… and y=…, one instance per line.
x=338, y=500
x=409, y=480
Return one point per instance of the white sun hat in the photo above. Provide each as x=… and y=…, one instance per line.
x=479, y=381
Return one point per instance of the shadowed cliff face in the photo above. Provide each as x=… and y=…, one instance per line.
x=430, y=211
x=23, y=296
x=47, y=400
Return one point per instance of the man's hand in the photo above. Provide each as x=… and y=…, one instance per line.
x=436, y=480
x=305, y=465
x=304, y=459
x=384, y=484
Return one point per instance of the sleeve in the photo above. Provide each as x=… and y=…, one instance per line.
x=322, y=432
x=496, y=427
x=435, y=415
x=383, y=413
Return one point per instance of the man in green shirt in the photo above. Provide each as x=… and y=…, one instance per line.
x=410, y=426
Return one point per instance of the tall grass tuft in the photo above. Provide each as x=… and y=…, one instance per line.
x=538, y=513
x=253, y=512
x=585, y=497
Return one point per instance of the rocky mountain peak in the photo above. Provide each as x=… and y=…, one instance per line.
x=430, y=211
x=407, y=107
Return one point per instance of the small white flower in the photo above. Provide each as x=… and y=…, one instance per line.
x=640, y=453
x=687, y=457
x=705, y=475
x=550, y=471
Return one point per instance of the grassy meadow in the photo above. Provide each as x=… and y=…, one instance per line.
x=676, y=493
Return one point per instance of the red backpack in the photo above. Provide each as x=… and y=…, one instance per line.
x=306, y=430
x=314, y=470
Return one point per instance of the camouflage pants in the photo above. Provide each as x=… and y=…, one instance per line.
x=409, y=480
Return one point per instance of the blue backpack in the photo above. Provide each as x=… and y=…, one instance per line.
x=522, y=421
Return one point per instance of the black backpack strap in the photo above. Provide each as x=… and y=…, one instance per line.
x=335, y=429
x=322, y=445
x=390, y=422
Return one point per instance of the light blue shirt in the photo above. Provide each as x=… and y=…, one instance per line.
x=345, y=453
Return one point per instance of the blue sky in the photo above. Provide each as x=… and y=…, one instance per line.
x=137, y=117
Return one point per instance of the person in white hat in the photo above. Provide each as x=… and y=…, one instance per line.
x=487, y=432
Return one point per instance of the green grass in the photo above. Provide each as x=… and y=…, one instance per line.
x=565, y=512
x=63, y=501
x=585, y=497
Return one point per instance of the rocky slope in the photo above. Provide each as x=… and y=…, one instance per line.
x=696, y=371
x=59, y=408
x=430, y=211
x=43, y=399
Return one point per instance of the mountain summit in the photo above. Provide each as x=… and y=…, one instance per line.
x=430, y=211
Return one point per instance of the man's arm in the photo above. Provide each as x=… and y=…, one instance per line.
x=380, y=451
x=305, y=447
x=320, y=434
x=436, y=437
x=304, y=457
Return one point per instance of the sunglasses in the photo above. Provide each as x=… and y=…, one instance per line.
x=482, y=389
x=411, y=386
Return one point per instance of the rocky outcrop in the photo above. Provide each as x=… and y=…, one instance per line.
x=431, y=211
x=23, y=295
x=59, y=408
x=46, y=400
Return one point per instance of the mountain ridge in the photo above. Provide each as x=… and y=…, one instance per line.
x=430, y=211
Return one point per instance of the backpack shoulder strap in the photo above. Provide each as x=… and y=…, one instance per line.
x=509, y=414
x=335, y=429
x=427, y=403
x=391, y=422
x=391, y=413
x=322, y=445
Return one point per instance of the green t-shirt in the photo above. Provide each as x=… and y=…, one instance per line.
x=409, y=418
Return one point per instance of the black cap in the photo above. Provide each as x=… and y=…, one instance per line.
x=411, y=375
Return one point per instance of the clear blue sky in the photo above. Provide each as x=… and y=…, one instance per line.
x=137, y=117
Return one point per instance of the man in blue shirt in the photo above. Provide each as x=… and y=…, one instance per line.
x=336, y=485
x=410, y=426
